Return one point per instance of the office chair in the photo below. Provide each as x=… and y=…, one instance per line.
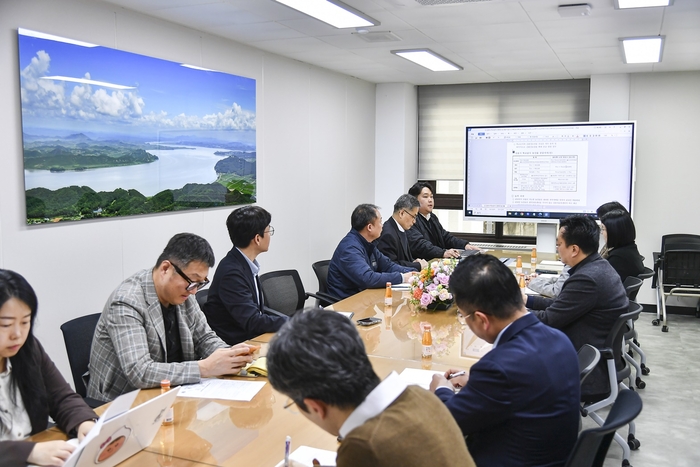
x=618, y=371
x=588, y=358
x=634, y=343
x=77, y=334
x=202, y=296
x=284, y=292
x=632, y=285
x=321, y=270
x=592, y=445
x=677, y=274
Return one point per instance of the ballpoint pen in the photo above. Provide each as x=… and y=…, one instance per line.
x=454, y=375
x=287, y=447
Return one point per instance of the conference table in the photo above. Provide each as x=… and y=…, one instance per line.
x=227, y=433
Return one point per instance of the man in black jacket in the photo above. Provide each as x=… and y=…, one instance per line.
x=590, y=301
x=393, y=241
x=234, y=306
x=427, y=238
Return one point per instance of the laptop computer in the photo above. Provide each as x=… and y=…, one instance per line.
x=465, y=253
x=122, y=432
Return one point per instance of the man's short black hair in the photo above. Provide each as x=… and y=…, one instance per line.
x=319, y=355
x=406, y=202
x=418, y=187
x=245, y=223
x=184, y=248
x=603, y=209
x=582, y=231
x=619, y=228
x=484, y=283
x=363, y=215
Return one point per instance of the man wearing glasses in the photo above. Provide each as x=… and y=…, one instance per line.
x=519, y=404
x=235, y=305
x=152, y=329
x=393, y=241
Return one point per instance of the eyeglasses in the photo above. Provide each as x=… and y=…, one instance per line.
x=191, y=285
x=271, y=231
x=414, y=217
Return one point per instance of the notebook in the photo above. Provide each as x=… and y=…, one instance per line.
x=121, y=433
x=258, y=367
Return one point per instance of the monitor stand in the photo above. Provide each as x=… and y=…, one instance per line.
x=547, y=238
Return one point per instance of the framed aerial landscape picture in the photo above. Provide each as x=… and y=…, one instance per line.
x=108, y=133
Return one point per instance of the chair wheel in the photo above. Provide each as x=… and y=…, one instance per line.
x=655, y=322
x=630, y=353
x=640, y=384
x=664, y=329
x=636, y=342
x=645, y=369
x=633, y=444
x=626, y=463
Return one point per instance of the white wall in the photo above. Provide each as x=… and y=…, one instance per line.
x=315, y=163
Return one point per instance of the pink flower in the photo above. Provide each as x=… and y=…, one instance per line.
x=443, y=279
x=426, y=299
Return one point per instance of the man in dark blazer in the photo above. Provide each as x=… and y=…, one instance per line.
x=427, y=238
x=519, y=404
x=393, y=241
x=590, y=301
x=235, y=304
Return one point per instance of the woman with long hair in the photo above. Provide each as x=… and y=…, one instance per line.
x=619, y=234
x=31, y=387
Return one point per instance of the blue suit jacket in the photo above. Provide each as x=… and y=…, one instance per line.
x=520, y=406
x=233, y=308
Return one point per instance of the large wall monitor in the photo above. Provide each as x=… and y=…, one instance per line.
x=542, y=173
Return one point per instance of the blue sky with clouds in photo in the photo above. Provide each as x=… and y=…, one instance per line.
x=165, y=96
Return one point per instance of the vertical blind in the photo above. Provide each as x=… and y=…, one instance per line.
x=444, y=111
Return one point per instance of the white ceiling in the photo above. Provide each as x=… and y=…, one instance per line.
x=494, y=40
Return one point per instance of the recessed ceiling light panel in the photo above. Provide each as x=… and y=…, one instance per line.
x=642, y=49
x=332, y=12
x=622, y=4
x=428, y=59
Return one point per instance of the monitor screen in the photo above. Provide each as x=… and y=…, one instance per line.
x=542, y=173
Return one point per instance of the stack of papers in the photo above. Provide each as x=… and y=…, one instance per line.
x=421, y=378
x=225, y=389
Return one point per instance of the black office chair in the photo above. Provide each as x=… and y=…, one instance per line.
x=77, y=334
x=284, y=292
x=678, y=274
x=618, y=371
x=588, y=358
x=321, y=270
x=202, y=296
x=632, y=285
x=634, y=344
x=592, y=445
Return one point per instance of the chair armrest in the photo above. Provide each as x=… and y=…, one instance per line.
x=324, y=297
x=270, y=311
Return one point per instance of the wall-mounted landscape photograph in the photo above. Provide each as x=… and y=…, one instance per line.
x=109, y=133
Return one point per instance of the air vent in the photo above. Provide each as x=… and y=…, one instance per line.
x=378, y=36
x=448, y=2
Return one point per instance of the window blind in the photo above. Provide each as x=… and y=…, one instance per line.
x=444, y=111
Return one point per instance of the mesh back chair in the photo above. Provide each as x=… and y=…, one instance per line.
x=588, y=358
x=632, y=285
x=592, y=445
x=678, y=274
x=321, y=270
x=77, y=334
x=284, y=292
x=618, y=371
x=634, y=344
x=202, y=296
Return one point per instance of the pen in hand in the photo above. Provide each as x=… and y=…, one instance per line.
x=454, y=375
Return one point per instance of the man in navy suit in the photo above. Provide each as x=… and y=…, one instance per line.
x=519, y=404
x=234, y=306
x=393, y=241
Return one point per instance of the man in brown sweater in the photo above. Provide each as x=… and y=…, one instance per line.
x=319, y=361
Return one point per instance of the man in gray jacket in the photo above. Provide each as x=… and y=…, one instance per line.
x=152, y=329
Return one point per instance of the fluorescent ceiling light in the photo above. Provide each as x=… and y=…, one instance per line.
x=428, y=59
x=622, y=4
x=88, y=81
x=333, y=12
x=51, y=37
x=642, y=49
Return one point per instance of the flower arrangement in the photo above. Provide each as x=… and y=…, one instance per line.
x=429, y=289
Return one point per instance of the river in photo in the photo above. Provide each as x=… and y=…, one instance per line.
x=173, y=169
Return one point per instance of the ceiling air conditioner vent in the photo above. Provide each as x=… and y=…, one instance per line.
x=378, y=36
